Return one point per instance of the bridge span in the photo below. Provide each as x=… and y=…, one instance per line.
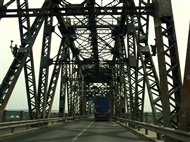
x=79, y=131
x=71, y=52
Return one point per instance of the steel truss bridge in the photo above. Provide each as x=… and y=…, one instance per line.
x=103, y=51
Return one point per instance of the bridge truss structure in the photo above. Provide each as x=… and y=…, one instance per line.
x=103, y=50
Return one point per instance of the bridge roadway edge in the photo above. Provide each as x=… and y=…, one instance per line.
x=23, y=130
x=150, y=137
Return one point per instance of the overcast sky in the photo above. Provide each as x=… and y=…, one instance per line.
x=9, y=31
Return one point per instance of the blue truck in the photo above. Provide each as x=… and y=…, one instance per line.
x=102, y=108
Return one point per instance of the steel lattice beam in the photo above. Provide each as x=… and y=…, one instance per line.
x=25, y=34
x=104, y=47
x=45, y=63
x=184, y=115
x=170, y=76
x=48, y=100
x=14, y=71
x=148, y=10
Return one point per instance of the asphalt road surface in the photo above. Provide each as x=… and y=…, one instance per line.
x=86, y=130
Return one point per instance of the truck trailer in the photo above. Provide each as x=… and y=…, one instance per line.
x=102, y=108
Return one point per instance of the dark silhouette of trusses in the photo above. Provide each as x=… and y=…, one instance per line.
x=103, y=49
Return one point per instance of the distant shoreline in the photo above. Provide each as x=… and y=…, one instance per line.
x=26, y=110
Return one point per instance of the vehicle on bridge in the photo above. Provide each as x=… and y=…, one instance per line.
x=102, y=108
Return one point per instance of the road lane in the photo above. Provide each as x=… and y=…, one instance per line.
x=86, y=130
x=75, y=138
x=107, y=131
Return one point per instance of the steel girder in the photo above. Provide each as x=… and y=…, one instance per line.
x=85, y=11
x=48, y=102
x=140, y=32
x=14, y=71
x=184, y=113
x=146, y=70
x=81, y=92
x=117, y=93
x=45, y=63
x=1, y=2
x=63, y=90
x=122, y=52
x=70, y=93
x=168, y=62
x=4, y=7
x=25, y=34
x=63, y=84
x=94, y=38
x=75, y=90
x=131, y=68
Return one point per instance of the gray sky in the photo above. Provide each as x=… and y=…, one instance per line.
x=9, y=31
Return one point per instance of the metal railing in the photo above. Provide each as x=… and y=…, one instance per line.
x=173, y=133
x=16, y=115
x=10, y=127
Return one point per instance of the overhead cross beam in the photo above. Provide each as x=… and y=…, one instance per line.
x=92, y=27
x=105, y=45
x=15, y=69
x=33, y=12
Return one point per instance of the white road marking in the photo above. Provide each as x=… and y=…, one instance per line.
x=74, y=139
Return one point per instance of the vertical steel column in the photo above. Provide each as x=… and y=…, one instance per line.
x=74, y=87
x=117, y=94
x=69, y=87
x=168, y=62
x=122, y=51
x=1, y=3
x=113, y=90
x=121, y=88
x=63, y=84
x=14, y=71
x=141, y=36
x=81, y=92
x=48, y=102
x=45, y=63
x=184, y=116
x=78, y=91
x=92, y=28
x=127, y=93
x=146, y=69
x=29, y=73
x=131, y=69
x=111, y=84
x=63, y=91
x=83, y=97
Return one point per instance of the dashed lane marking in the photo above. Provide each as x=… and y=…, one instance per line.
x=74, y=139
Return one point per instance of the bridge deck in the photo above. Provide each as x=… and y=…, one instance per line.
x=81, y=130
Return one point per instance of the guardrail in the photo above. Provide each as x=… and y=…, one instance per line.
x=38, y=123
x=173, y=133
